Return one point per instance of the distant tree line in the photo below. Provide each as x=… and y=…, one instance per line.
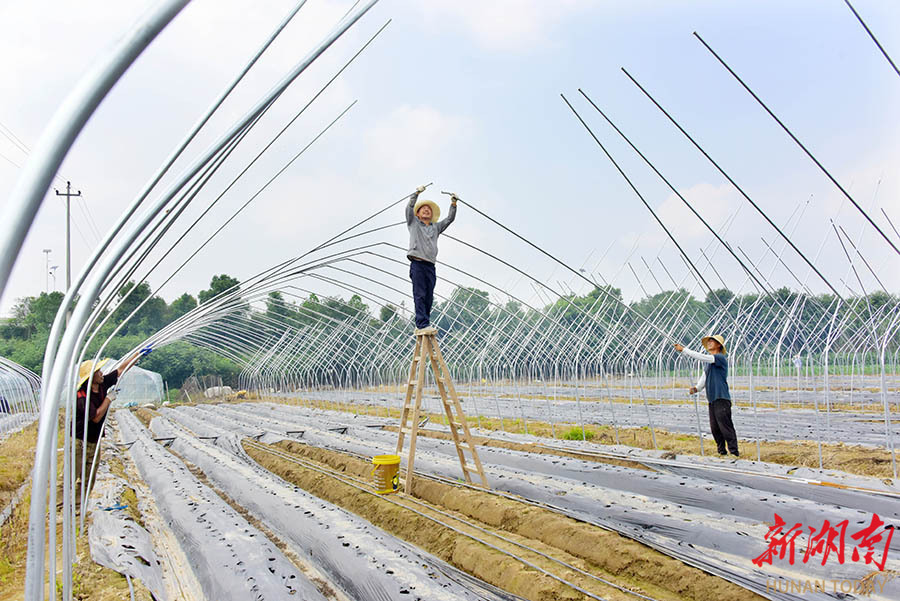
x=23, y=336
x=594, y=315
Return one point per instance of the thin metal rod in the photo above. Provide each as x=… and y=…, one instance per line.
x=872, y=35
x=799, y=143
x=676, y=192
x=734, y=183
x=639, y=195
x=61, y=375
x=59, y=135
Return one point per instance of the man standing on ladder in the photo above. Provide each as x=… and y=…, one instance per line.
x=424, y=228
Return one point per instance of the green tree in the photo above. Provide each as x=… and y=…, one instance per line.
x=150, y=317
x=31, y=315
x=182, y=305
x=218, y=284
x=465, y=307
x=387, y=312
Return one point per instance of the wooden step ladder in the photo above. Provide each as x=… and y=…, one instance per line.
x=427, y=348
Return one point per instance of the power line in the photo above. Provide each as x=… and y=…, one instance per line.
x=12, y=162
x=19, y=144
x=89, y=217
x=8, y=133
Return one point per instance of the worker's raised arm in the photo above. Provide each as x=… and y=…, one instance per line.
x=100, y=412
x=702, y=357
x=451, y=214
x=128, y=363
x=446, y=221
x=410, y=213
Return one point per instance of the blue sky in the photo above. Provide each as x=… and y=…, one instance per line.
x=466, y=94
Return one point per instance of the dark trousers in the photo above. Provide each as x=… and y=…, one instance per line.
x=423, y=278
x=722, y=427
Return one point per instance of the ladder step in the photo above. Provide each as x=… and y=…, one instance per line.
x=424, y=351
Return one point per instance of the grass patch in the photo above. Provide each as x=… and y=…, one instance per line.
x=578, y=434
x=16, y=459
x=91, y=582
x=795, y=453
x=13, y=547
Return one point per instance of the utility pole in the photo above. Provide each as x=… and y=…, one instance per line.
x=69, y=195
x=46, y=252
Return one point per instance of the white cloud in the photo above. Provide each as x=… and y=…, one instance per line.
x=502, y=24
x=411, y=136
x=714, y=203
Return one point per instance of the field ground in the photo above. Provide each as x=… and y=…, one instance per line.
x=479, y=533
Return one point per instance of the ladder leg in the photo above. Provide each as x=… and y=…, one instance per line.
x=442, y=379
x=467, y=434
x=404, y=414
x=425, y=349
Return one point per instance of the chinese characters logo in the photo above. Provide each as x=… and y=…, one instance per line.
x=827, y=541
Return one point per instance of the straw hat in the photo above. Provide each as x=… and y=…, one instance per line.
x=435, y=210
x=84, y=370
x=718, y=338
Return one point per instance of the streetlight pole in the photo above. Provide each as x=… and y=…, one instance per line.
x=46, y=252
x=68, y=194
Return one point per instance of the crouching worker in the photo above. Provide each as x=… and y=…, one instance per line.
x=715, y=381
x=424, y=228
x=97, y=402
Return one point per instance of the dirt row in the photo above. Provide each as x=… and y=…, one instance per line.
x=600, y=552
x=795, y=453
x=91, y=582
x=606, y=554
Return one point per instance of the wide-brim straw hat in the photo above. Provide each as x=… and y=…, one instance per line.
x=718, y=338
x=435, y=210
x=85, y=371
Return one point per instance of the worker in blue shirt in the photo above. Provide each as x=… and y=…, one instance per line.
x=715, y=380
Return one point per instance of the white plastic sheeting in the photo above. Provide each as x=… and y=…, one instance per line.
x=19, y=393
x=230, y=558
x=699, y=516
x=383, y=567
x=119, y=543
x=140, y=386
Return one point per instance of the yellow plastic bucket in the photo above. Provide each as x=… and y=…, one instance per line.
x=386, y=474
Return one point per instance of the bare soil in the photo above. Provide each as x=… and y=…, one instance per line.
x=91, y=581
x=603, y=553
x=144, y=415
x=795, y=453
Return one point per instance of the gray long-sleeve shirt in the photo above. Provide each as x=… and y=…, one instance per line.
x=423, y=238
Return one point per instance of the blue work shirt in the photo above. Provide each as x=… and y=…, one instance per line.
x=717, y=378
